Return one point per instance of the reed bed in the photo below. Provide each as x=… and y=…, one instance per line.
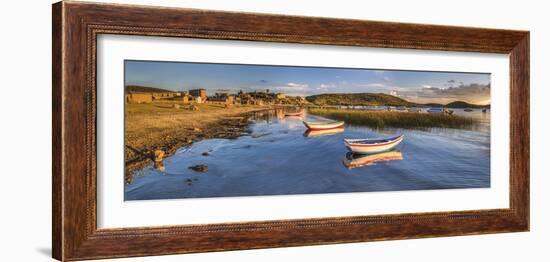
x=381, y=119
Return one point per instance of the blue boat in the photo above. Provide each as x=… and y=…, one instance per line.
x=439, y=110
x=436, y=110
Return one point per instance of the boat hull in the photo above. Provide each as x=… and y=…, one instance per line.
x=362, y=148
x=323, y=126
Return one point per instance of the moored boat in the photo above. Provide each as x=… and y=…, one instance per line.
x=371, y=146
x=323, y=125
x=439, y=110
x=436, y=110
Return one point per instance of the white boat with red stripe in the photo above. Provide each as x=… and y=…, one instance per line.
x=323, y=125
x=371, y=146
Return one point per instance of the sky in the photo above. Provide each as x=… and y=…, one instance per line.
x=414, y=86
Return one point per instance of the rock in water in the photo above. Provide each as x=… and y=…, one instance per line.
x=159, y=166
x=159, y=155
x=205, y=154
x=199, y=168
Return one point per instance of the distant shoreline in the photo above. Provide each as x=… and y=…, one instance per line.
x=381, y=119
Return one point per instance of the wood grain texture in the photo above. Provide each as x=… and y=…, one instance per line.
x=57, y=195
x=76, y=26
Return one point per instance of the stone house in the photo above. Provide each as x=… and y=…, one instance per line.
x=199, y=93
x=139, y=98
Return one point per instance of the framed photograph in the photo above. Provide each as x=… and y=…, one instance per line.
x=181, y=130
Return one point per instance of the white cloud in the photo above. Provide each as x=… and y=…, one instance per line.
x=472, y=93
x=327, y=85
x=375, y=85
x=292, y=88
x=296, y=86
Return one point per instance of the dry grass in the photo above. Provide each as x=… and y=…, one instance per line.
x=161, y=118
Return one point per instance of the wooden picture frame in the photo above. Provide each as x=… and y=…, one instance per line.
x=76, y=26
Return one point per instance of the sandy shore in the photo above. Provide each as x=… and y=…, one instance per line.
x=163, y=126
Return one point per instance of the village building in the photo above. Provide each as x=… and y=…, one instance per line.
x=199, y=93
x=183, y=98
x=229, y=100
x=222, y=98
x=164, y=95
x=280, y=96
x=246, y=99
x=139, y=98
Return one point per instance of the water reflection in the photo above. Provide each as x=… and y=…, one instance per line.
x=353, y=160
x=159, y=166
x=326, y=132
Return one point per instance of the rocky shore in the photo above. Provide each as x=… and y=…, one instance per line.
x=162, y=127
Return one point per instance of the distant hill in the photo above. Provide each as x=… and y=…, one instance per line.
x=379, y=99
x=462, y=104
x=432, y=105
x=359, y=99
x=145, y=89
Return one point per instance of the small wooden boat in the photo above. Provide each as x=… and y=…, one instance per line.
x=436, y=110
x=354, y=160
x=323, y=125
x=324, y=132
x=371, y=146
x=299, y=114
x=439, y=110
x=468, y=110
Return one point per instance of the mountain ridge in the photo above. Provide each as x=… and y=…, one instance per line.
x=379, y=99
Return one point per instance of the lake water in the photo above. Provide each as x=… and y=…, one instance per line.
x=277, y=157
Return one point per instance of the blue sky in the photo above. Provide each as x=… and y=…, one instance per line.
x=416, y=86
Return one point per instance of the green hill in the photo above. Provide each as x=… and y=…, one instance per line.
x=359, y=99
x=462, y=104
x=145, y=89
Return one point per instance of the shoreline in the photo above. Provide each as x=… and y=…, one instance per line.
x=174, y=127
x=381, y=119
x=169, y=126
